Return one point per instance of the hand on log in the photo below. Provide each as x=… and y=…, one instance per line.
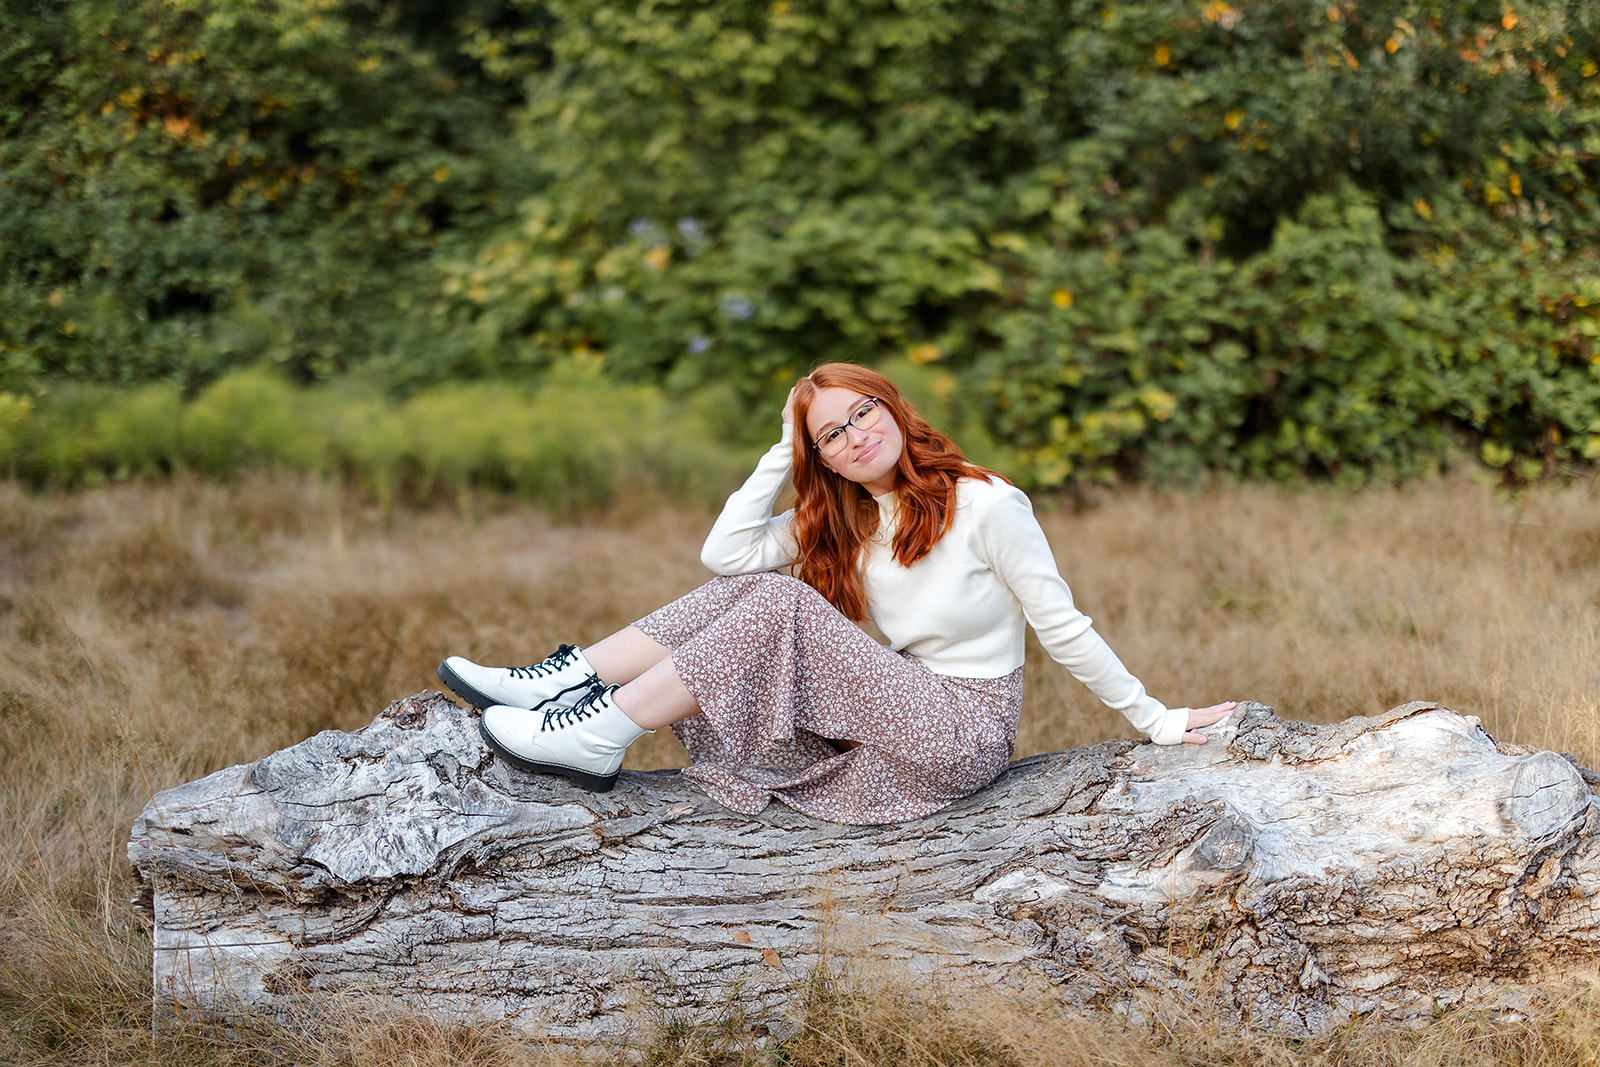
x=1200, y=718
x=1294, y=874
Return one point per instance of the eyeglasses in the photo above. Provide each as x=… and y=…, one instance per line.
x=864, y=417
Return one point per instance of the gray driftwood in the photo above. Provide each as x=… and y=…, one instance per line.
x=1286, y=874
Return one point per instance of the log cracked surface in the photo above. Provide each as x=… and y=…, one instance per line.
x=1290, y=875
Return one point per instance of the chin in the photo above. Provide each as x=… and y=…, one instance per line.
x=876, y=474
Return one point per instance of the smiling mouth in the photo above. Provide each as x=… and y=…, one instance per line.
x=868, y=452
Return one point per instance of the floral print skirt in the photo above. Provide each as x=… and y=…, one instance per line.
x=781, y=677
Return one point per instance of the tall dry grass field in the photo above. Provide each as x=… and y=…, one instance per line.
x=151, y=634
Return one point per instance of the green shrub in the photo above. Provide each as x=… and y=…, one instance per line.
x=1154, y=239
x=141, y=430
x=1147, y=239
x=60, y=446
x=249, y=419
x=370, y=438
x=579, y=443
x=15, y=416
x=189, y=186
x=1329, y=352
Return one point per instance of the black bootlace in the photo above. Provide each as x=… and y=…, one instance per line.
x=556, y=660
x=556, y=718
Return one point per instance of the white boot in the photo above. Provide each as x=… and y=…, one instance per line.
x=585, y=742
x=563, y=678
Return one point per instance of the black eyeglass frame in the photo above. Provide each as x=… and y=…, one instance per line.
x=875, y=403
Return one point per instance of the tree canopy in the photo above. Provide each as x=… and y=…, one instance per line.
x=1145, y=239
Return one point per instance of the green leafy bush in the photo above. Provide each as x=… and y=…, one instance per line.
x=1149, y=238
x=189, y=186
x=1268, y=238
x=577, y=443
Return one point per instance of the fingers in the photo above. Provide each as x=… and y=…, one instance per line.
x=1199, y=718
x=788, y=405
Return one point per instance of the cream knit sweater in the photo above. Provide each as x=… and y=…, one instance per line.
x=961, y=609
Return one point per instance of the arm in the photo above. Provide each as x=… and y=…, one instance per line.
x=747, y=537
x=1016, y=549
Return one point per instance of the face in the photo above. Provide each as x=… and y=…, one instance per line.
x=869, y=456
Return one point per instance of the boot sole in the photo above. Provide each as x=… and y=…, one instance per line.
x=460, y=688
x=595, y=783
x=458, y=685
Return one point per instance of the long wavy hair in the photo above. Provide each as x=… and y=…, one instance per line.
x=834, y=516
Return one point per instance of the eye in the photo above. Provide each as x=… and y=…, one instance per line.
x=861, y=412
x=831, y=436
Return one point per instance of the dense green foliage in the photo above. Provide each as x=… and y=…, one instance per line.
x=545, y=447
x=188, y=186
x=1160, y=236
x=1147, y=239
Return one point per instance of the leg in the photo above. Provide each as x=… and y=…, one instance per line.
x=625, y=655
x=637, y=686
x=657, y=697
x=776, y=670
x=586, y=741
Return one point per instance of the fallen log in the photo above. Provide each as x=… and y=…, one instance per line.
x=1290, y=875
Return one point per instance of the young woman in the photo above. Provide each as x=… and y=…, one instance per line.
x=765, y=679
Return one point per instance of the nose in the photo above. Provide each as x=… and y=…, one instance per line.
x=855, y=434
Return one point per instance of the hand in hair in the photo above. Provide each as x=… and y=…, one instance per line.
x=788, y=405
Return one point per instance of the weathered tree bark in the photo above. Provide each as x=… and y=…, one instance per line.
x=1292, y=875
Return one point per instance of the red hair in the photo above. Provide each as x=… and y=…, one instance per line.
x=834, y=517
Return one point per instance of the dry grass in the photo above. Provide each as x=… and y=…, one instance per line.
x=151, y=634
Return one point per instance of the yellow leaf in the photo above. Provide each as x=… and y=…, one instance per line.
x=1509, y=20
x=441, y=174
x=1061, y=298
x=1160, y=403
x=923, y=353
x=1232, y=119
x=658, y=258
x=1391, y=46
x=1516, y=185
x=1422, y=207
x=1163, y=55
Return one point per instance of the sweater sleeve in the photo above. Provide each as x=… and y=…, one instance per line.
x=747, y=537
x=1016, y=549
